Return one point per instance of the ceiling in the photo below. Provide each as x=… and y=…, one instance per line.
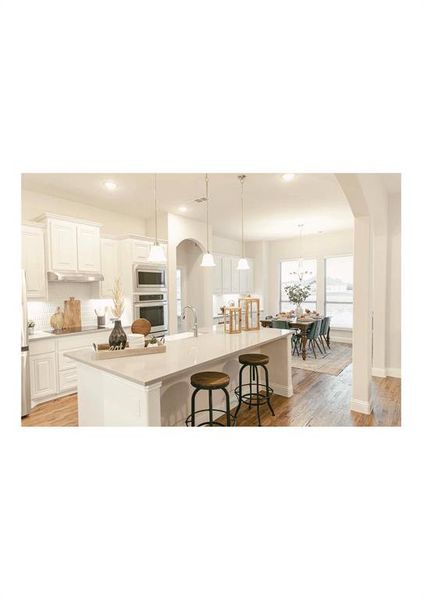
x=273, y=207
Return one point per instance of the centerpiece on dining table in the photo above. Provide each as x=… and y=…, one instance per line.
x=297, y=294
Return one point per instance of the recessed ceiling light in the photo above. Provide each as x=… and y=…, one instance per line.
x=288, y=176
x=110, y=185
x=182, y=209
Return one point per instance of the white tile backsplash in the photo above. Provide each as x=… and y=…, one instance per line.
x=40, y=311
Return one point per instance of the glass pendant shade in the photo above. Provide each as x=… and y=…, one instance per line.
x=243, y=264
x=157, y=253
x=208, y=260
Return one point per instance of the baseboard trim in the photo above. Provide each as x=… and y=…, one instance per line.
x=340, y=339
x=378, y=372
x=282, y=390
x=361, y=406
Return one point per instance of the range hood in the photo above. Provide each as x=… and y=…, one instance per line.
x=74, y=277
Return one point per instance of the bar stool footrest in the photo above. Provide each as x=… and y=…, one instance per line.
x=188, y=420
x=248, y=397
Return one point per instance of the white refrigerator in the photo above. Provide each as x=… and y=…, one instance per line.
x=25, y=384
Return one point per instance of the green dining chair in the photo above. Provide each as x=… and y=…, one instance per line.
x=313, y=336
x=324, y=330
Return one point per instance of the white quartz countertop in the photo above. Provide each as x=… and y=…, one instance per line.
x=41, y=335
x=183, y=352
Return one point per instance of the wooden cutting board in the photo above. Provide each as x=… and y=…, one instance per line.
x=141, y=326
x=72, y=313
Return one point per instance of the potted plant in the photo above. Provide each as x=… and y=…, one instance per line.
x=31, y=327
x=298, y=293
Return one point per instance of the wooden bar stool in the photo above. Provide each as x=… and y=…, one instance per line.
x=210, y=381
x=254, y=393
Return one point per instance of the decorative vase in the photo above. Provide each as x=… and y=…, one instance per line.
x=298, y=311
x=117, y=338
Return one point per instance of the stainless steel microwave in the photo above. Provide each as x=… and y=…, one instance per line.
x=150, y=276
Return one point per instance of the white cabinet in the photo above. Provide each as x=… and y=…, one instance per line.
x=88, y=245
x=63, y=245
x=43, y=375
x=109, y=265
x=33, y=261
x=235, y=275
x=226, y=274
x=217, y=275
x=140, y=250
x=246, y=279
x=72, y=246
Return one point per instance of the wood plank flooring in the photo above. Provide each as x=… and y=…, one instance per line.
x=319, y=400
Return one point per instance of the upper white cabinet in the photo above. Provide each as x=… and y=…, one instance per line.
x=228, y=280
x=109, y=265
x=140, y=250
x=33, y=261
x=72, y=245
x=226, y=275
x=88, y=244
x=246, y=279
x=217, y=275
x=235, y=275
x=63, y=245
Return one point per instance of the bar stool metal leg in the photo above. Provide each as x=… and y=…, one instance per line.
x=193, y=406
x=267, y=389
x=228, y=408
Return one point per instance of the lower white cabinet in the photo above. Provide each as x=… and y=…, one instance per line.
x=52, y=373
x=43, y=375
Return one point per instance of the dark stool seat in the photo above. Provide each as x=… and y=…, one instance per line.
x=210, y=381
x=253, y=359
x=254, y=393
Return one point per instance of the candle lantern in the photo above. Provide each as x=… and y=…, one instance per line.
x=232, y=319
x=250, y=313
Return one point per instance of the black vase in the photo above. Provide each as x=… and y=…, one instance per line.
x=117, y=338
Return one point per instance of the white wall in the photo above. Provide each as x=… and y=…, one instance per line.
x=35, y=204
x=393, y=317
x=226, y=246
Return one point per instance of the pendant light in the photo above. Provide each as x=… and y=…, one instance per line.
x=301, y=273
x=243, y=262
x=208, y=260
x=157, y=253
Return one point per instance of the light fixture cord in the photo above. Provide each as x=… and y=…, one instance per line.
x=242, y=218
x=155, y=207
x=207, y=210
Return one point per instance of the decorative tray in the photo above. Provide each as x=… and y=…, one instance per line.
x=102, y=354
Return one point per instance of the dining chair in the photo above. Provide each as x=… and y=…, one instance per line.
x=324, y=330
x=313, y=336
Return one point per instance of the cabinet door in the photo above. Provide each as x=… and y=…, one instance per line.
x=246, y=279
x=226, y=275
x=63, y=246
x=109, y=266
x=33, y=261
x=140, y=251
x=43, y=375
x=235, y=276
x=88, y=248
x=217, y=275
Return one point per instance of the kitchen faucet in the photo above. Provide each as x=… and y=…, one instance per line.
x=194, y=312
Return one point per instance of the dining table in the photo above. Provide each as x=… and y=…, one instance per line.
x=301, y=325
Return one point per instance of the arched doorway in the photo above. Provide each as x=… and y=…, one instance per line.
x=190, y=283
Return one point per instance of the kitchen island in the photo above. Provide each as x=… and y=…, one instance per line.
x=155, y=390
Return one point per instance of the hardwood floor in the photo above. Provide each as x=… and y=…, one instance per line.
x=319, y=400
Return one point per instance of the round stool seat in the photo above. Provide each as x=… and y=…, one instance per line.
x=210, y=380
x=253, y=359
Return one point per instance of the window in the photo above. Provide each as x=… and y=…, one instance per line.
x=339, y=290
x=289, y=274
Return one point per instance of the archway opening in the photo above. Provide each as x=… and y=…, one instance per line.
x=190, y=283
